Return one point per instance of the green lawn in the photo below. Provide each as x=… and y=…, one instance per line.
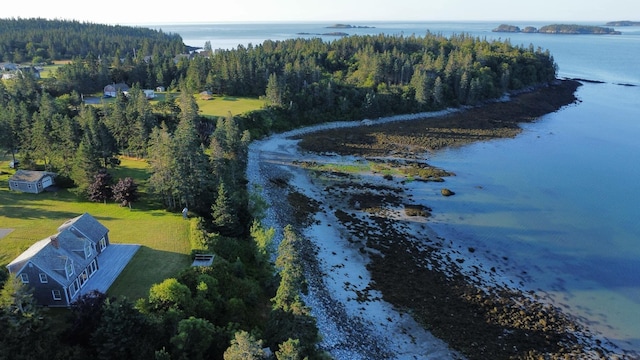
x=221, y=105
x=163, y=235
x=50, y=70
x=216, y=107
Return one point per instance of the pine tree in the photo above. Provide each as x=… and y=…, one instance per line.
x=164, y=176
x=191, y=164
x=85, y=164
x=274, y=92
x=224, y=214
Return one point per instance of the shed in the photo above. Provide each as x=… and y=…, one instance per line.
x=31, y=181
x=206, y=95
x=149, y=93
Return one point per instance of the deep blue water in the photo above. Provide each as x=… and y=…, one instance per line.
x=561, y=200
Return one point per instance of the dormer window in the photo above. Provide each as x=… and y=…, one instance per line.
x=87, y=249
x=68, y=268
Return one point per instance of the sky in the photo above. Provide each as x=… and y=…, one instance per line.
x=132, y=12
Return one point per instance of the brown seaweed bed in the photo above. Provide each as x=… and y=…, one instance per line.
x=480, y=321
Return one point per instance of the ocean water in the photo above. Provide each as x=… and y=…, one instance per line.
x=560, y=202
x=557, y=206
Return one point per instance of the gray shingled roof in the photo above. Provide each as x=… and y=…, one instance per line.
x=17, y=263
x=51, y=259
x=87, y=225
x=70, y=242
x=29, y=175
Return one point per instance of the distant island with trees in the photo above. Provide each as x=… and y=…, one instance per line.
x=347, y=26
x=623, y=23
x=560, y=29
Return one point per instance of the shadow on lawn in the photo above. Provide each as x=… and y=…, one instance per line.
x=20, y=212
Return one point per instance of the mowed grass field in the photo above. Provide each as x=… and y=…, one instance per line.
x=163, y=235
x=219, y=106
x=50, y=70
x=215, y=107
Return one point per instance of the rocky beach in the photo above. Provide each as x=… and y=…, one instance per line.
x=382, y=284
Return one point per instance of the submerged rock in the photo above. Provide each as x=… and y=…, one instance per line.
x=447, y=192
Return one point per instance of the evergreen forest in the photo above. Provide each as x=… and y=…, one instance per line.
x=241, y=304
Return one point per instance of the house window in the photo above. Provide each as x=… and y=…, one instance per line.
x=24, y=278
x=92, y=267
x=87, y=249
x=69, y=268
x=56, y=295
x=43, y=278
x=74, y=287
x=83, y=278
x=103, y=243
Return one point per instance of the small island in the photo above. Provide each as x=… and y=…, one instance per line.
x=623, y=23
x=347, y=26
x=335, y=33
x=560, y=29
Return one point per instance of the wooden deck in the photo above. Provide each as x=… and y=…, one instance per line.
x=111, y=263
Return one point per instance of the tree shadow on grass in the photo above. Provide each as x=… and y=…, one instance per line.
x=20, y=212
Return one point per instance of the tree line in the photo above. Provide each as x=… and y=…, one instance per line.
x=37, y=40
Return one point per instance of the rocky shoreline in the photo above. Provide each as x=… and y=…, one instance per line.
x=412, y=269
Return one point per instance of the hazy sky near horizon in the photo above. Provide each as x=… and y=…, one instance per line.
x=131, y=12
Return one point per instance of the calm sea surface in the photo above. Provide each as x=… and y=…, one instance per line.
x=559, y=205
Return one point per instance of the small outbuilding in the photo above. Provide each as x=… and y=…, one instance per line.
x=113, y=89
x=149, y=93
x=31, y=181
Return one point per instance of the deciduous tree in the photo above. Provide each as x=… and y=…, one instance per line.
x=125, y=192
x=100, y=188
x=244, y=346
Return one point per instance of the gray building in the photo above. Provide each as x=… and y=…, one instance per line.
x=31, y=181
x=58, y=266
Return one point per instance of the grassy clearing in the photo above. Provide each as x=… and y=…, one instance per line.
x=163, y=235
x=50, y=70
x=222, y=105
x=215, y=107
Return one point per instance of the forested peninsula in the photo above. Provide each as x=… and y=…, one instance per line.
x=243, y=300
